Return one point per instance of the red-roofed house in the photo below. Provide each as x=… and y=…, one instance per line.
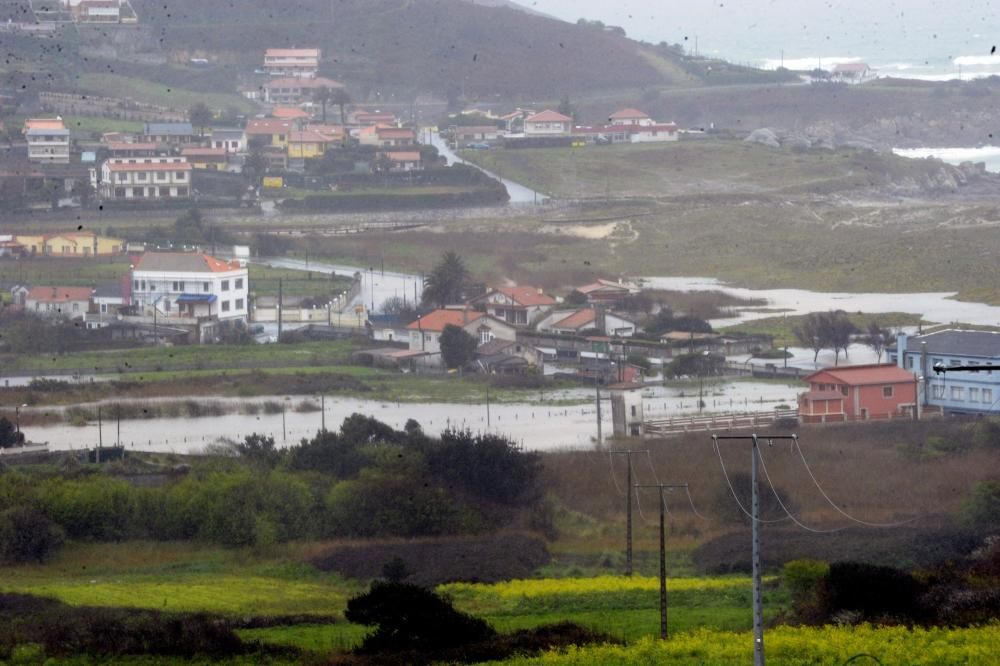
x=630, y=117
x=607, y=292
x=858, y=393
x=425, y=333
x=518, y=306
x=547, y=123
x=271, y=131
x=386, y=137
x=576, y=322
x=289, y=113
x=214, y=159
x=69, y=302
x=852, y=72
x=369, y=118
x=402, y=160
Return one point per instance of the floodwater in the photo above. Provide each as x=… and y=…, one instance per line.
x=940, y=307
x=543, y=426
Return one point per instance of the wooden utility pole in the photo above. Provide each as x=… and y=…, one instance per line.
x=663, y=551
x=628, y=507
x=100, y=435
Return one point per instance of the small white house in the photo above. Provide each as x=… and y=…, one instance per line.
x=548, y=123
x=425, y=333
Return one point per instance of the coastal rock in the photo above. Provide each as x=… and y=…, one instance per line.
x=764, y=136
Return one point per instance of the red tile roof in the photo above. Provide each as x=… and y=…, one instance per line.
x=269, y=126
x=438, y=319
x=601, y=285
x=59, y=294
x=577, y=320
x=548, y=116
x=308, y=136
x=44, y=124
x=288, y=113
x=184, y=262
x=394, y=133
x=526, y=295
x=149, y=166
x=860, y=375
x=628, y=114
x=294, y=53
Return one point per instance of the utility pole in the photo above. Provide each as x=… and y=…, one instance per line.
x=100, y=435
x=487, y=402
x=280, y=293
x=322, y=411
x=628, y=507
x=118, y=425
x=663, y=550
x=600, y=438
x=284, y=433
x=758, y=606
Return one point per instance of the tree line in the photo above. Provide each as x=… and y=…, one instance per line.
x=834, y=330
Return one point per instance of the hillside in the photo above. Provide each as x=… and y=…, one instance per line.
x=448, y=47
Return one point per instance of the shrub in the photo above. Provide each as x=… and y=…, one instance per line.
x=981, y=510
x=9, y=435
x=409, y=617
x=97, y=508
x=874, y=593
x=27, y=535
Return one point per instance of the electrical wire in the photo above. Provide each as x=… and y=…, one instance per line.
x=796, y=445
x=649, y=459
x=774, y=490
x=638, y=502
x=691, y=502
x=611, y=464
x=749, y=515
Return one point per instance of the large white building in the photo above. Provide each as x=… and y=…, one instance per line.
x=145, y=178
x=48, y=140
x=190, y=285
x=292, y=62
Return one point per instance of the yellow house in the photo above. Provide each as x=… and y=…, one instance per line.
x=206, y=158
x=272, y=131
x=71, y=244
x=306, y=144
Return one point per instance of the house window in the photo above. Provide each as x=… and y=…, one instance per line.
x=239, y=303
x=427, y=337
x=843, y=389
x=239, y=283
x=225, y=306
x=76, y=307
x=205, y=286
x=937, y=361
x=225, y=285
x=633, y=410
x=135, y=285
x=140, y=176
x=144, y=285
x=886, y=391
x=937, y=391
x=973, y=395
x=485, y=336
x=180, y=176
x=909, y=362
x=119, y=192
x=988, y=396
x=182, y=191
x=957, y=393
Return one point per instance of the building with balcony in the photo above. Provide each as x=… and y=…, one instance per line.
x=292, y=62
x=48, y=140
x=190, y=286
x=145, y=178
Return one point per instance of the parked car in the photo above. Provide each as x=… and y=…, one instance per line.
x=478, y=146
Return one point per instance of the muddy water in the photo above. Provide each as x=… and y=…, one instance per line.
x=540, y=426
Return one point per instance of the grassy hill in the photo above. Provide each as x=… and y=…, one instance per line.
x=443, y=46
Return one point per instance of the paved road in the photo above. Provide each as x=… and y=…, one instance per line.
x=519, y=194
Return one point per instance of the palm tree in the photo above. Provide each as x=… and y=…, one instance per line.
x=322, y=95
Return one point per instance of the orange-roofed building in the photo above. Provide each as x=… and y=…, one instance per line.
x=191, y=285
x=272, y=131
x=519, y=305
x=630, y=117
x=425, y=332
x=547, y=123
x=307, y=144
x=48, y=140
x=289, y=113
x=403, y=160
x=858, y=393
x=214, y=159
x=69, y=302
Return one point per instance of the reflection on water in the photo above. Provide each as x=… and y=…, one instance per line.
x=535, y=426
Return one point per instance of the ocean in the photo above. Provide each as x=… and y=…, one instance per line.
x=930, y=40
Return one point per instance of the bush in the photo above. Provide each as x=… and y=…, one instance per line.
x=92, y=508
x=981, y=510
x=874, y=593
x=27, y=535
x=9, y=435
x=409, y=617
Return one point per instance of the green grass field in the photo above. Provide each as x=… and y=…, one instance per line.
x=781, y=328
x=158, y=93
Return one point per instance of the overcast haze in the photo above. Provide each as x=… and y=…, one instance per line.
x=917, y=32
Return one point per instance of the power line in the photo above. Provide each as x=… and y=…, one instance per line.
x=798, y=448
x=715, y=445
x=691, y=502
x=777, y=496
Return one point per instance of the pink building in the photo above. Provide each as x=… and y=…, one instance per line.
x=858, y=393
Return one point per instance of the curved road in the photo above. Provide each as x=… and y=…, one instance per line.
x=519, y=194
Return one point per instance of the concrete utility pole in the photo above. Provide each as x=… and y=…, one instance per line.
x=100, y=435
x=628, y=507
x=597, y=386
x=758, y=604
x=663, y=551
x=280, y=293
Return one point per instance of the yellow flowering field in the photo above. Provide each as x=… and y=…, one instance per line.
x=602, y=584
x=787, y=646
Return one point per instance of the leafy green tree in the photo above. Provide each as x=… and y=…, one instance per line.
x=255, y=164
x=200, y=116
x=576, y=298
x=981, y=509
x=457, y=347
x=259, y=449
x=447, y=281
x=27, y=535
x=9, y=436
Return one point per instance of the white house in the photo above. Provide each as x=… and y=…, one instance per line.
x=519, y=305
x=292, y=62
x=232, y=140
x=67, y=302
x=547, y=123
x=146, y=178
x=630, y=117
x=48, y=140
x=576, y=322
x=425, y=333
x=190, y=285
